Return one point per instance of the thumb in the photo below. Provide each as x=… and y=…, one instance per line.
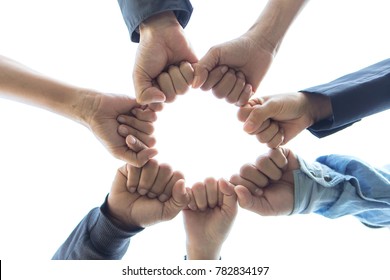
x=178, y=201
x=244, y=196
x=150, y=95
x=229, y=196
x=204, y=66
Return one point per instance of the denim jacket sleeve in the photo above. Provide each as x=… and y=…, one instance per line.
x=136, y=11
x=96, y=238
x=335, y=186
x=354, y=96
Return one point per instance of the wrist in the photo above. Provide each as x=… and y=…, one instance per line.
x=203, y=251
x=160, y=21
x=85, y=106
x=319, y=107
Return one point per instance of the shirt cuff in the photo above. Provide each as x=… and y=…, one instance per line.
x=135, y=12
x=107, y=236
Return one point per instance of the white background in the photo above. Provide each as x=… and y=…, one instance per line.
x=53, y=171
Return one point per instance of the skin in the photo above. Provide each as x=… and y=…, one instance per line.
x=209, y=218
x=277, y=119
x=130, y=210
x=253, y=52
x=99, y=112
x=162, y=43
x=267, y=186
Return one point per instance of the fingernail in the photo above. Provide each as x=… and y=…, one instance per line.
x=123, y=130
x=132, y=190
x=152, y=195
x=142, y=191
x=248, y=126
x=195, y=82
x=258, y=192
x=134, y=111
x=224, y=69
x=163, y=198
x=121, y=119
x=158, y=99
x=131, y=140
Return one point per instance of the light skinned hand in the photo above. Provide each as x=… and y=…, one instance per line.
x=162, y=43
x=267, y=187
x=176, y=81
x=277, y=119
x=105, y=122
x=209, y=218
x=243, y=54
x=130, y=209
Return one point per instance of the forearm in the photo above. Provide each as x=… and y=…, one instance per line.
x=203, y=252
x=336, y=186
x=274, y=22
x=19, y=83
x=96, y=238
x=353, y=97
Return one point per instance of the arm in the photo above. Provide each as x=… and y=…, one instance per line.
x=353, y=97
x=335, y=186
x=253, y=52
x=106, y=233
x=209, y=218
x=136, y=11
x=97, y=111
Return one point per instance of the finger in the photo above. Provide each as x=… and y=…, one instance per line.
x=237, y=88
x=267, y=134
x=225, y=86
x=238, y=180
x=133, y=175
x=180, y=198
x=124, y=131
x=244, y=112
x=211, y=192
x=192, y=202
x=187, y=71
x=251, y=173
x=278, y=157
x=148, y=176
x=204, y=66
x=266, y=166
x=166, y=85
x=138, y=153
x=246, y=93
x=156, y=107
x=168, y=188
x=200, y=196
x=245, y=198
x=214, y=77
x=256, y=118
x=164, y=175
x=150, y=94
x=277, y=140
x=179, y=82
x=146, y=115
x=229, y=196
x=142, y=126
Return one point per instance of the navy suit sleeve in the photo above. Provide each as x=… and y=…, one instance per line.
x=136, y=11
x=354, y=96
x=96, y=238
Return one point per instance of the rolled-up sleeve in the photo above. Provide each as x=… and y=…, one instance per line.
x=136, y=11
x=335, y=186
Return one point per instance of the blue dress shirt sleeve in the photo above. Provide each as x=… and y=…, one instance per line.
x=96, y=238
x=354, y=96
x=335, y=186
x=136, y=11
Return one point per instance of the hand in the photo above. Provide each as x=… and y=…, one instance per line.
x=277, y=119
x=209, y=218
x=244, y=54
x=104, y=113
x=229, y=84
x=176, y=80
x=162, y=44
x=129, y=210
x=267, y=188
